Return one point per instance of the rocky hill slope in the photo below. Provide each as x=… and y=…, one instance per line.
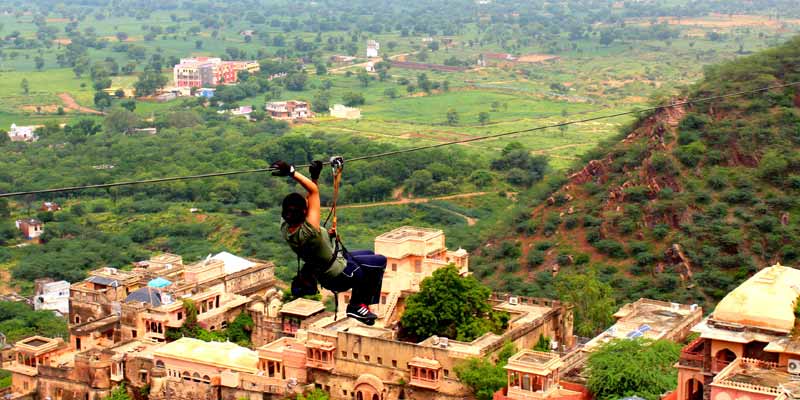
x=692, y=201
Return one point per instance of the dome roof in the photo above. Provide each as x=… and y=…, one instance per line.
x=766, y=300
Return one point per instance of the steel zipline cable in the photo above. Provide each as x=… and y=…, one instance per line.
x=408, y=150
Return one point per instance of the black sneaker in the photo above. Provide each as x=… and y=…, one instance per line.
x=361, y=313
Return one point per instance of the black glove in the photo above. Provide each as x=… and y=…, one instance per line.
x=283, y=168
x=315, y=169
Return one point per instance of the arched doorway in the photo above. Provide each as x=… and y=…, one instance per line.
x=369, y=387
x=694, y=390
x=722, y=359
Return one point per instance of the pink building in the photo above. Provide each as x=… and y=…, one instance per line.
x=534, y=375
x=209, y=71
x=747, y=348
x=289, y=110
x=31, y=228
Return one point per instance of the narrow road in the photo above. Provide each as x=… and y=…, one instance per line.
x=364, y=64
x=418, y=200
x=71, y=104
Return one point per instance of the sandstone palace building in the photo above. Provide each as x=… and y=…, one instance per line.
x=119, y=324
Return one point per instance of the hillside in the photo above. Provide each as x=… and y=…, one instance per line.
x=688, y=203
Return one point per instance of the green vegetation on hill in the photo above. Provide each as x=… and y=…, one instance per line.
x=18, y=321
x=692, y=202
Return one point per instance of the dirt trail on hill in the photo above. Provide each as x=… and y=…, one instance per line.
x=417, y=200
x=470, y=220
x=71, y=104
x=364, y=64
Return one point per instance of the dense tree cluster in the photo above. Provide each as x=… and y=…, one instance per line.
x=633, y=367
x=18, y=321
x=452, y=306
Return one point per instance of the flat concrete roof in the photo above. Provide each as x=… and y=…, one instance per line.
x=303, y=307
x=645, y=318
x=410, y=232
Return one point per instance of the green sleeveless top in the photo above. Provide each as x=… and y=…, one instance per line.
x=315, y=249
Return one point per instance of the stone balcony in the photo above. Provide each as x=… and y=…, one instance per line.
x=751, y=376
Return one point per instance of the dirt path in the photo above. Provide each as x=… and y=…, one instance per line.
x=470, y=221
x=364, y=64
x=71, y=104
x=416, y=200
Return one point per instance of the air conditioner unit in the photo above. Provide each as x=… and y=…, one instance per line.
x=513, y=300
x=793, y=367
x=675, y=306
x=443, y=342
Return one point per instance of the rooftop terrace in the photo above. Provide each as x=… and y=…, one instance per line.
x=753, y=376
x=409, y=232
x=648, y=319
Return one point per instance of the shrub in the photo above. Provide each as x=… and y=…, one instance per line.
x=589, y=220
x=660, y=231
x=551, y=225
x=663, y=164
x=610, y=248
x=691, y=154
x=636, y=194
x=581, y=259
x=542, y=246
x=563, y=259
x=535, y=258
x=593, y=235
x=571, y=222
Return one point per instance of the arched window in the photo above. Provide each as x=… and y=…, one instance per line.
x=159, y=364
x=206, y=379
x=359, y=396
x=722, y=359
x=196, y=377
x=186, y=376
x=77, y=319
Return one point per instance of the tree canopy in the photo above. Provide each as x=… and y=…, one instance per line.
x=452, y=306
x=640, y=367
x=483, y=376
x=593, y=301
x=18, y=321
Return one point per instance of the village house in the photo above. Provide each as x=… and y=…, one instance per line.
x=210, y=71
x=289, y=110
x=31, y=228
x=344, y=112
x=748, y=347
x=50, y=206
x=372, y=48
x=49, y=295
x=22, y=133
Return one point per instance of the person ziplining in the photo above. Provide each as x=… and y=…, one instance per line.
x=325, y=259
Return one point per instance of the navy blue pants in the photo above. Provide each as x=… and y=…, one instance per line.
x=363, y=274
